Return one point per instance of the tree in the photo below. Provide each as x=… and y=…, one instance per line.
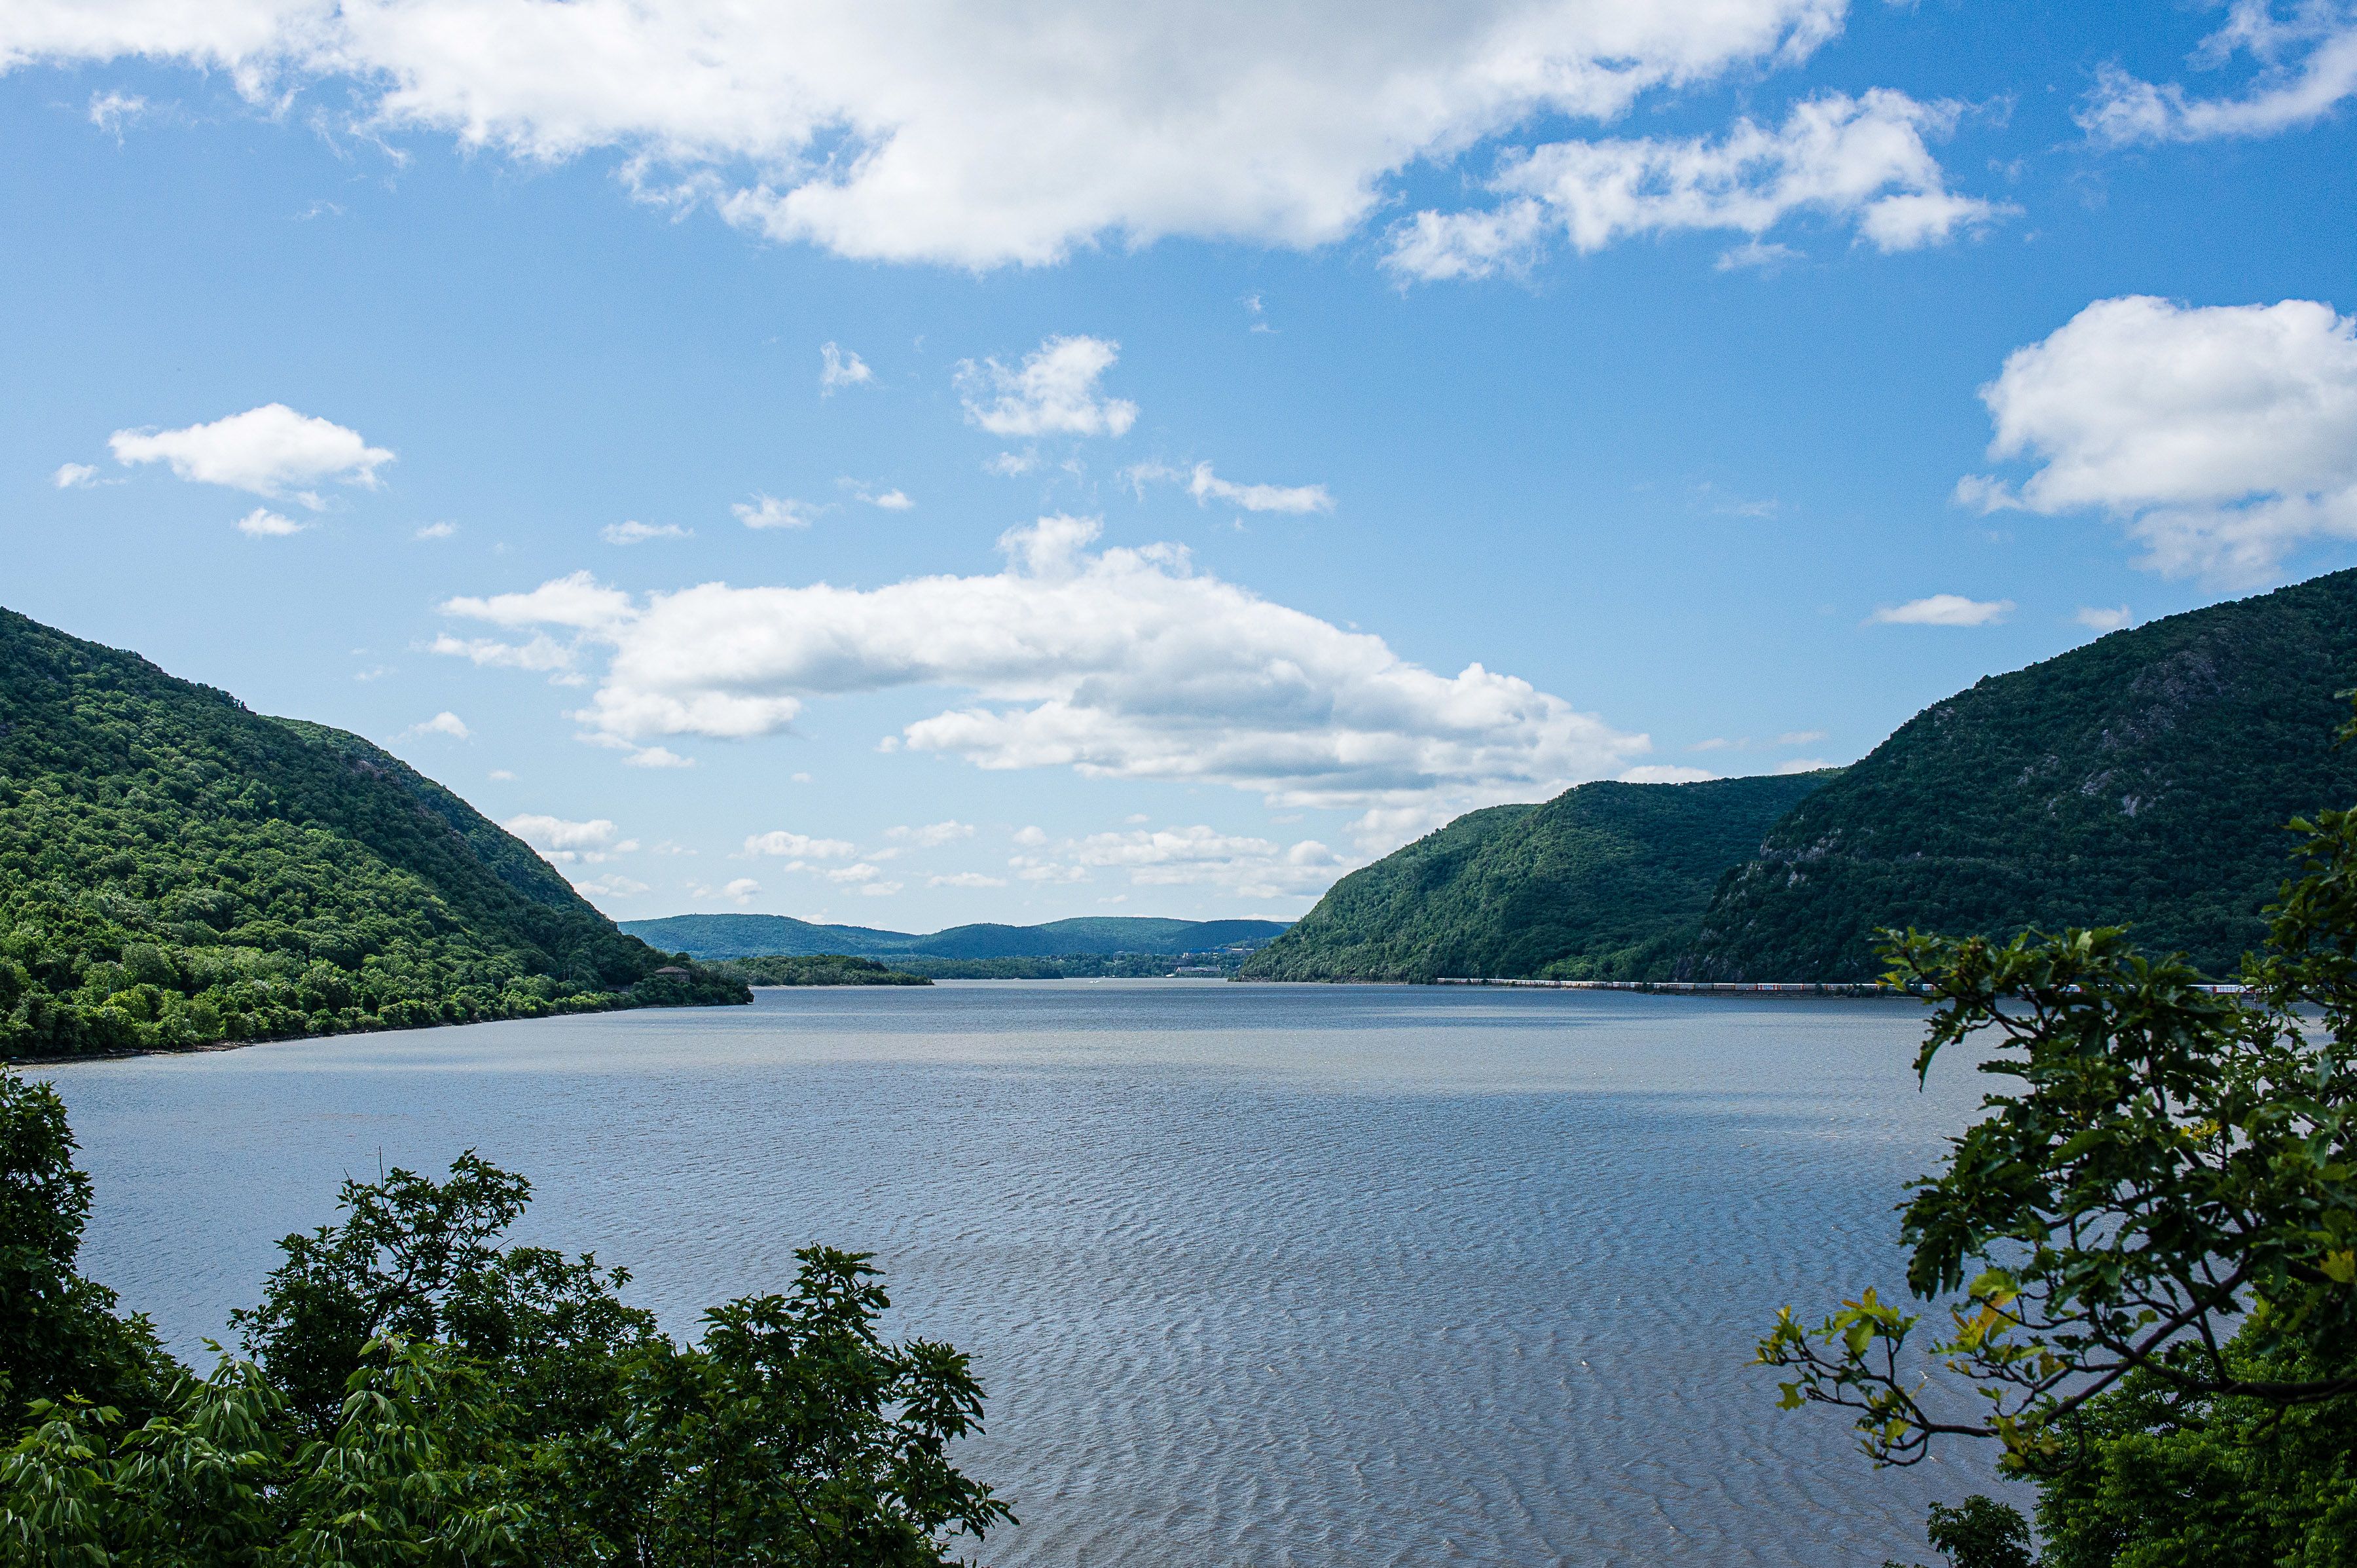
x=421, y=1261
x=1978, y=1533
x=794, y=1435
x=2150, y=1476
x=2177, y=1162
x=409, y=1477
x=59, y=1337
x=2145, y=1253
x=791, y=1433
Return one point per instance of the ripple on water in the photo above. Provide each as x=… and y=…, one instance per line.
x=1253, y=1274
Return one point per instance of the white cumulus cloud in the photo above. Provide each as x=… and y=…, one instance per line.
x=1052, y=392
x=2099, y=618
x=270, y=451
x=579, y=602
x=965, y=879
x=2220, y=437
x=1117, y=662
x=1861, y=160
x=561, y=842
x=444, y=723
x=2307, y=63
x=974, y=135
x=1944, y=609
x=73, y=475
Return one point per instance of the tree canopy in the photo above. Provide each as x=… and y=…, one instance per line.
x=414, y=1389
x=2142, y=1260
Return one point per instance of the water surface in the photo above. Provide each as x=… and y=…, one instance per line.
x=1265, y=1276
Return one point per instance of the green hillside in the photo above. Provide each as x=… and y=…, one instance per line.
x=814, y=969
x=715, y=937
x=176, y=870
x=1604, y=881
x=2145, y=778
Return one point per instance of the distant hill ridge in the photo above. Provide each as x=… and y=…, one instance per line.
x=2142, y=780
x=176, y=870
x=715, y=937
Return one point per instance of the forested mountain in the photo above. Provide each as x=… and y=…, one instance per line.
x=1604, y=881
x=176, y=870
x=752, y=936
x=2143, y=778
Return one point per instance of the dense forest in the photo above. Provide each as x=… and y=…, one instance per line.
x=1604, y=881
x=814, y=969
x=175, y=870
x=2143, y=779
x=1076, y=966
x=711, y=937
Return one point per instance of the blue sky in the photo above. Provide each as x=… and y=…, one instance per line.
x=1254, y=435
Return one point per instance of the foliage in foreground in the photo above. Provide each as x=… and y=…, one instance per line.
x=2145, y=1253
x=414, y=1391
x=175, y=870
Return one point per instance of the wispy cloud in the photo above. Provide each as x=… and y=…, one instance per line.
x=1943, y=609
x=840, y=368
x=772, y=512
x=112, y=110
x=635, y=532
x=2307, y=67
x=1863, y=160
x=263, y=523
x=798, y=846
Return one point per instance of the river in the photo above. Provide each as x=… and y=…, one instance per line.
x=1253, y=1274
